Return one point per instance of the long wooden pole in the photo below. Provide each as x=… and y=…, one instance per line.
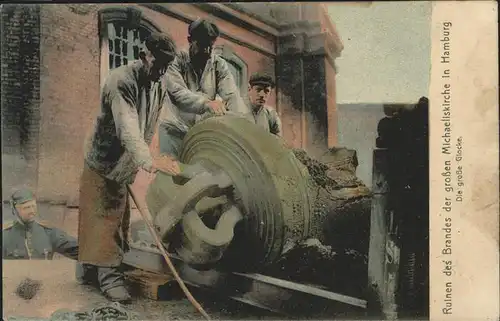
x=146, y=216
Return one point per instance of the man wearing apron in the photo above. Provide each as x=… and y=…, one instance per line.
x=132, y=100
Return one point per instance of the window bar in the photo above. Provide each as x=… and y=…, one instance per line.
x=124, y=44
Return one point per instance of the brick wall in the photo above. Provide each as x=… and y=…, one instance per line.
x=20, y=77
x=315, y=92
x=307, y=49
x=20, y=86
x=290, y=89
x=70, y=95
x=332, y=111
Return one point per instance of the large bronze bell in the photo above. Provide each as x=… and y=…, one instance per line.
x=264, y=187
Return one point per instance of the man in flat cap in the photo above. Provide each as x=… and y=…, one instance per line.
x=194, y=80
x=260, y=86
x=27, y=237
x=132, y=99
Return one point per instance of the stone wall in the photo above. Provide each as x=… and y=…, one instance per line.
x=20, y=99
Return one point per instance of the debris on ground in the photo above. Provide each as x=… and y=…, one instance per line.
x=312, y=262
x=338, y=228
x=109, y=312
x=28, y=288
x=342, y=202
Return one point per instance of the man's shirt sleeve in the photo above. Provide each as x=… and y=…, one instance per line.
x=227, y=89
x=121, y=96
x=183, y=98
x=64, y=244
x=275, y=123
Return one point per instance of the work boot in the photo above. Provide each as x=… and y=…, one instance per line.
x=112, y=284
x=118, y=294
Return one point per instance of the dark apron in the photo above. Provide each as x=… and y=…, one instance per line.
x=103, y=221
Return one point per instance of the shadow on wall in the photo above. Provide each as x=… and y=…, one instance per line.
x=357, y=129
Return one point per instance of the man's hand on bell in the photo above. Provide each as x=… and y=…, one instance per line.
x=166, y=164
x=217, y=107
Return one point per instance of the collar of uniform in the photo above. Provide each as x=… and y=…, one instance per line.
x=247, y=101
x=18, y=220
x=23, y=224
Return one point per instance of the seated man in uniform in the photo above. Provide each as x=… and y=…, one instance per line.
x=29, y=238
x=259, y=90
x=194, y=80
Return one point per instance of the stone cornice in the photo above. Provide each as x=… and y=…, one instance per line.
x=240, y=18
x=270, y=28
x=313, y=34
x=273, y=23
x=310, y=43
x=309, y=36
x=167, y=9
x=334, y=39
x=132, y=15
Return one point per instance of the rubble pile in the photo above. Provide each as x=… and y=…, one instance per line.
x=336, y=169
x=339, y=227
x=341, y=211
x=311, y=262
x=316, y=169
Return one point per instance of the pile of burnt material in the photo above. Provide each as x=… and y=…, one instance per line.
x=341, y=201
x=335, y=255
x=401, y=179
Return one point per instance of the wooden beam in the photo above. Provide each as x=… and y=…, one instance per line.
x=148, y=284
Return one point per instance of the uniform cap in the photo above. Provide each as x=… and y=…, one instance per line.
x=21, y=196
x=261, y=79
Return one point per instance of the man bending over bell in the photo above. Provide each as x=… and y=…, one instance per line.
x=132, y=98
x=194, y=80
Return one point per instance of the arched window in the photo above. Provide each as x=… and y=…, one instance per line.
x=123, y=31
x=237, y=73
x=124, y=43
x=236, y=65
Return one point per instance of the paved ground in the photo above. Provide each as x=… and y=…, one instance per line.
x=60, y=291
